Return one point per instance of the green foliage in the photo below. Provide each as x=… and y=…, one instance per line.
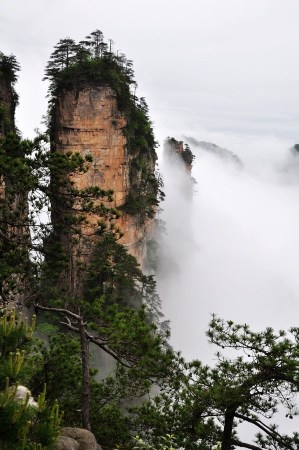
x=61, y=371
x=23, y=169
x=16, y=171
x=9, y=68
x=46, y=328
x=73, y=66
x=145, y=184
x=71, y=209
x=5, y=120
x=187, y=155
x=182, y=149
x=166, y=443
x=24, y=426
x=62, y=57
x=141, y=359
x=15, y=333
x=62, y=356
x=203, y=406
x=111, y=425
x=115, y=275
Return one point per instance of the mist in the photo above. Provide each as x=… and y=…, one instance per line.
x=231, y=248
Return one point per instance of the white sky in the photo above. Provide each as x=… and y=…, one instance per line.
x=223, y=65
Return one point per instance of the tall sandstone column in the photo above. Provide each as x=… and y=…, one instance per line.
x=87, y=120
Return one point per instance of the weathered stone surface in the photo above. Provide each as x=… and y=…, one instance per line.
x=172, y=146
x=88, y=121
x=66, y=443
x=21, y=395
x=84, y=440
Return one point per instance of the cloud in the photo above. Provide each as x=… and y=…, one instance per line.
x=235, y=243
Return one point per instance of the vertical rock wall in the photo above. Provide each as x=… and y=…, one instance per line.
x=14, y=210
x=174, y=147
x=88, y=121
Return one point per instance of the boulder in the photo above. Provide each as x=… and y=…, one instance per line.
x=76, y=439
x=66, y=443
x=21, y=395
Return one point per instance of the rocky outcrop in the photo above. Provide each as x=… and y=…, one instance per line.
x=178, y=157
x=23, y=394
x=87, y=120
x=174, y=147
x=76, y=439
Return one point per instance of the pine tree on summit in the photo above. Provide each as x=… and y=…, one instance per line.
x=62, y=57
x=94, y=42
x=9, y=67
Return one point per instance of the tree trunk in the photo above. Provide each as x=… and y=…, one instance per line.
x=85, y=376
x=228, y=429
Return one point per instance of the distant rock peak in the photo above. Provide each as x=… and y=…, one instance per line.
x=181, y=149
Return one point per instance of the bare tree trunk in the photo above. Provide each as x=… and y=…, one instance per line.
x=85, y=375
x=228, y=430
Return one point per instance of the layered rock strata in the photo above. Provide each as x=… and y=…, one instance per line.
x=88, y=121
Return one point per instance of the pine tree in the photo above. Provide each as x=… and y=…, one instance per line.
x=204, y=406
x=94, y=42
x=24, y=423
x=62, y=57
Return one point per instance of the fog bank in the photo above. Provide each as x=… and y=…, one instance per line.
x=233, y=247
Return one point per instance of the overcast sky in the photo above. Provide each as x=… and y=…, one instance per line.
x=220, y=65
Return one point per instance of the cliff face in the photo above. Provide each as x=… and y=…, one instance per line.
x=178, y=157
x=14, y=210
x=173, y=147
x=88, y=121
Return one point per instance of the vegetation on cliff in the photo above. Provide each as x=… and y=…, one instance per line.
x=254, y=379
x=25, y=424
x=9, y=68
x=92, y=62
x=16, y=180
x=181, y=149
